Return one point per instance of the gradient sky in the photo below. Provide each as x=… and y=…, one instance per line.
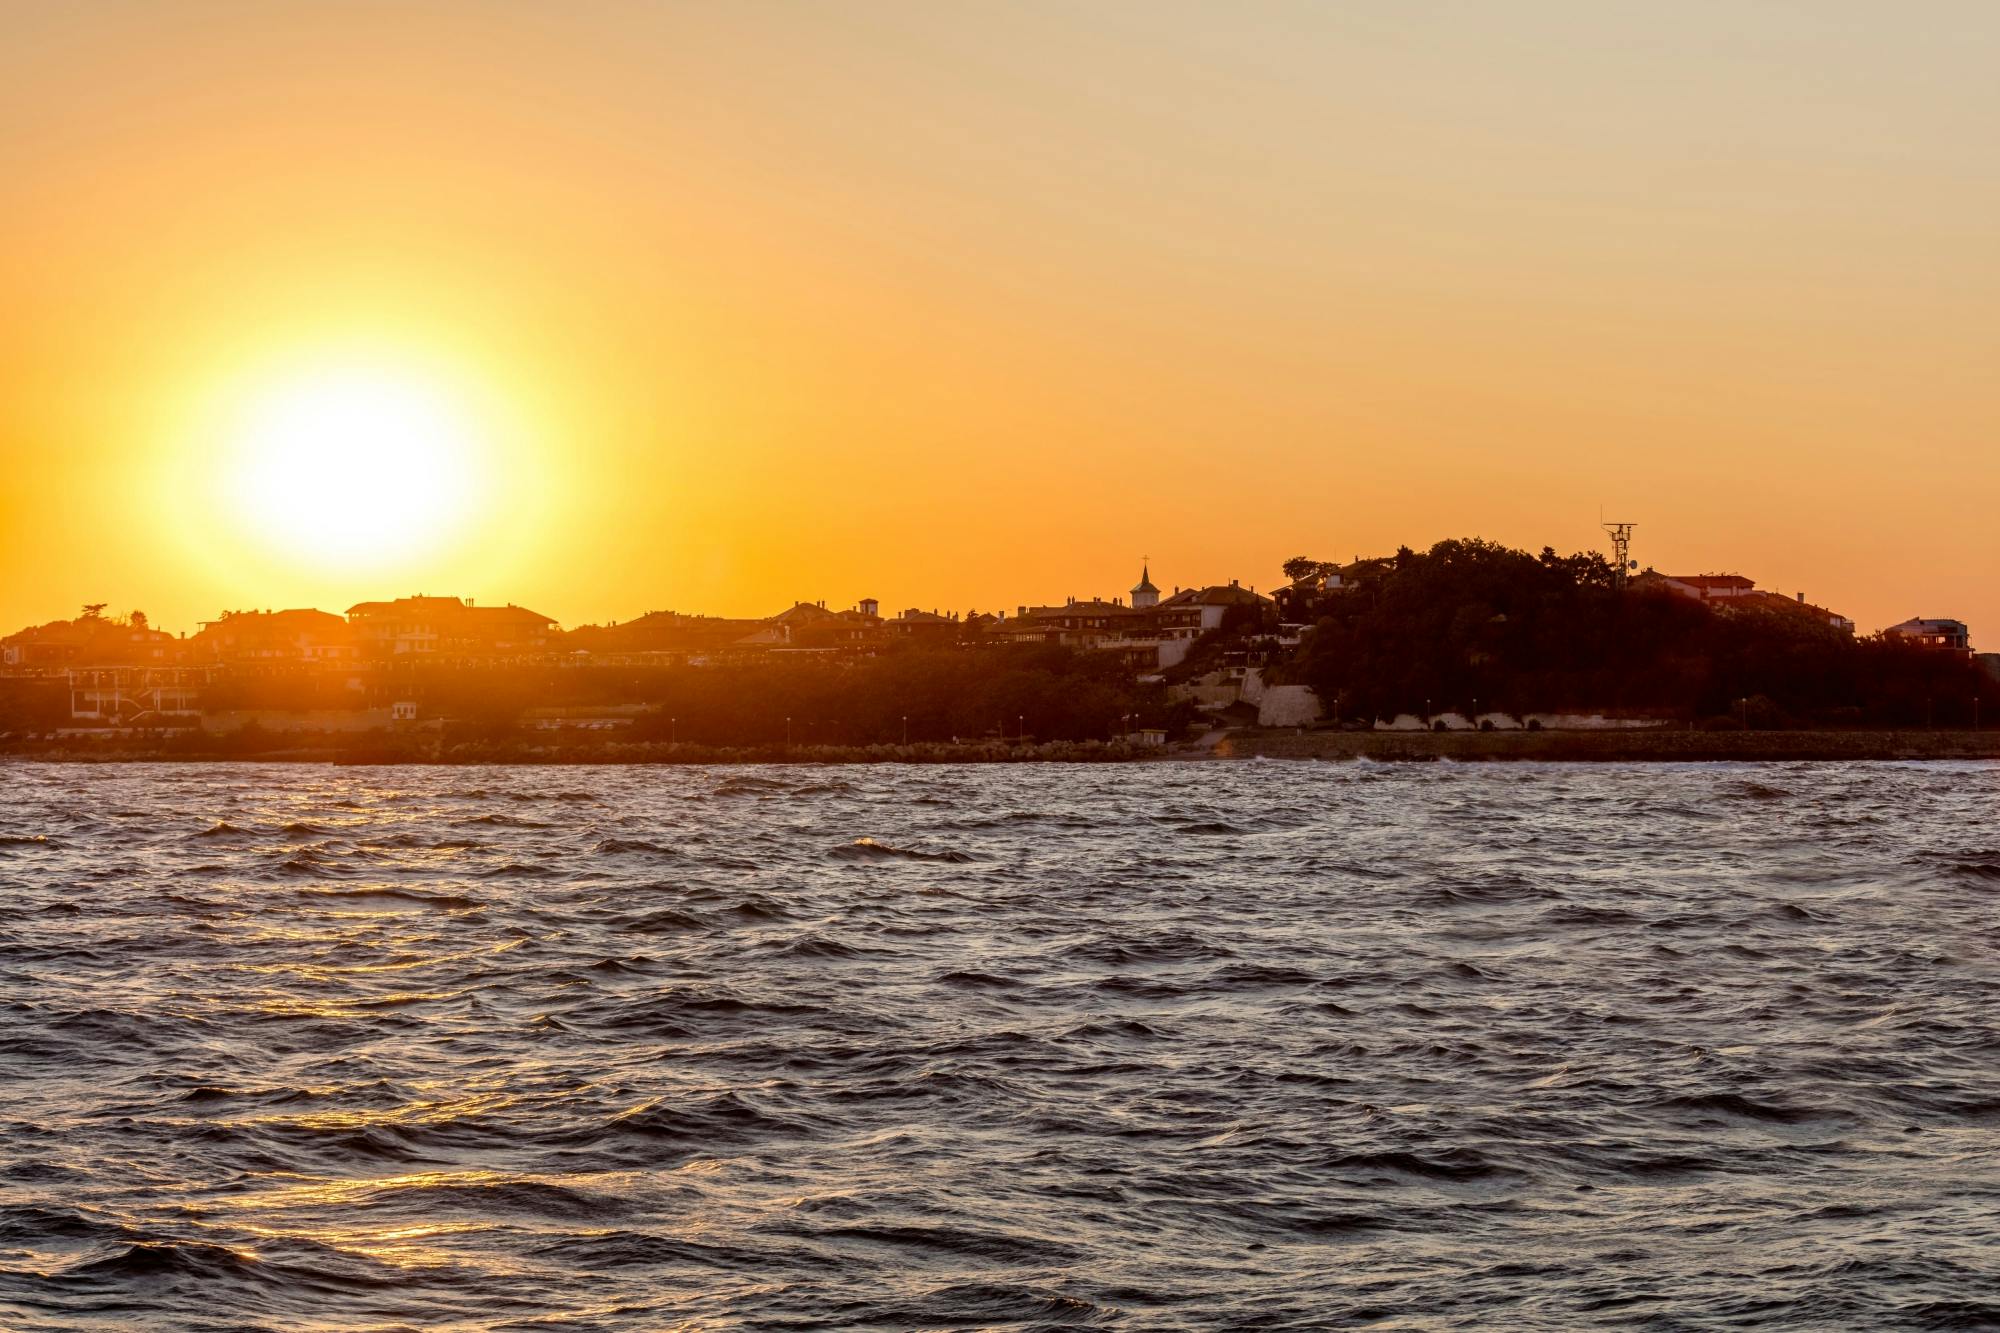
x=967, y=305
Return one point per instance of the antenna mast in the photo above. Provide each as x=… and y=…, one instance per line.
x=1621, y=552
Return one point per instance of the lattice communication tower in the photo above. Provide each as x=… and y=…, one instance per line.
x=1621, y=552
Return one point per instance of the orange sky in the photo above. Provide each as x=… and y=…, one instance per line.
x=969, y=305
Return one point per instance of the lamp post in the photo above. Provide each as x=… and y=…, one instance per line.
x=906, y=728
x=1743, y=714
x=1021, y=728
x=673, y=731
x=788, y=733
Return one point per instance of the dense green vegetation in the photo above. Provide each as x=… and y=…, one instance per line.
x=1472, y=623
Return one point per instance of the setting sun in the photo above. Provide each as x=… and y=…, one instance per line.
x=353, y=465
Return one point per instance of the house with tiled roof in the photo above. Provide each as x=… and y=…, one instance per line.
x=298, y=635
x=1075, y=623
x=1734, y=592
x=424, y=626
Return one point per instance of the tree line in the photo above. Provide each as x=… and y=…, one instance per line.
x=1471, y=623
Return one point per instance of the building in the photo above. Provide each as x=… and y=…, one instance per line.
x=1193, y=612
x=1144, y=595
x=136, y=695
x=296, y=636
x=925, y=626
x=447, y=627
x=93, y=639
x=656, y=636
x=1299, y=601
x=1074, y=624
x=1951, y=635
x=1701, y=587
x=1733, y=592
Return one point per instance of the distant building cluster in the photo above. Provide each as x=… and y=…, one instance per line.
x=121, y=668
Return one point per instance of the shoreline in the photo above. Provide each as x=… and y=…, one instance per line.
x=1635, y=746
x=1381, y=746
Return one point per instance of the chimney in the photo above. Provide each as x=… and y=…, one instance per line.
x=1802, y=597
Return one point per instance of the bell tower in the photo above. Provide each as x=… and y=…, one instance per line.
x=1145, y=594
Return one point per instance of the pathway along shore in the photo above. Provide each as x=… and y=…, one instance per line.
x=1606, y=746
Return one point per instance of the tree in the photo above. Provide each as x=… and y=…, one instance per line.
x=1305, y=567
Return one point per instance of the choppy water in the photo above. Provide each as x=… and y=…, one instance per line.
x=1174, y=1046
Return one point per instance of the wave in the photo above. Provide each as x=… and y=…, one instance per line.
x=749, y=786
x=1178, y=947
x=1736, y=1106
x=666, y=919
x=521, y=870
x=423, y=897
x=157, y=1259
x=424, y=842
x=867, y=849
x=812, y=946
x=631, y=846
x=975, y=980
x=1978, y=867
x=1454, y=1164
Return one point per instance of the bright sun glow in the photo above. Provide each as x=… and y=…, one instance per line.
x=354, y=466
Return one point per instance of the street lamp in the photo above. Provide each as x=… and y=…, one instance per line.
x=788, y=733
x=906, y=728
x=673, y=731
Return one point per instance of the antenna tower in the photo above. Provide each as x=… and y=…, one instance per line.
x=1621, y=552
